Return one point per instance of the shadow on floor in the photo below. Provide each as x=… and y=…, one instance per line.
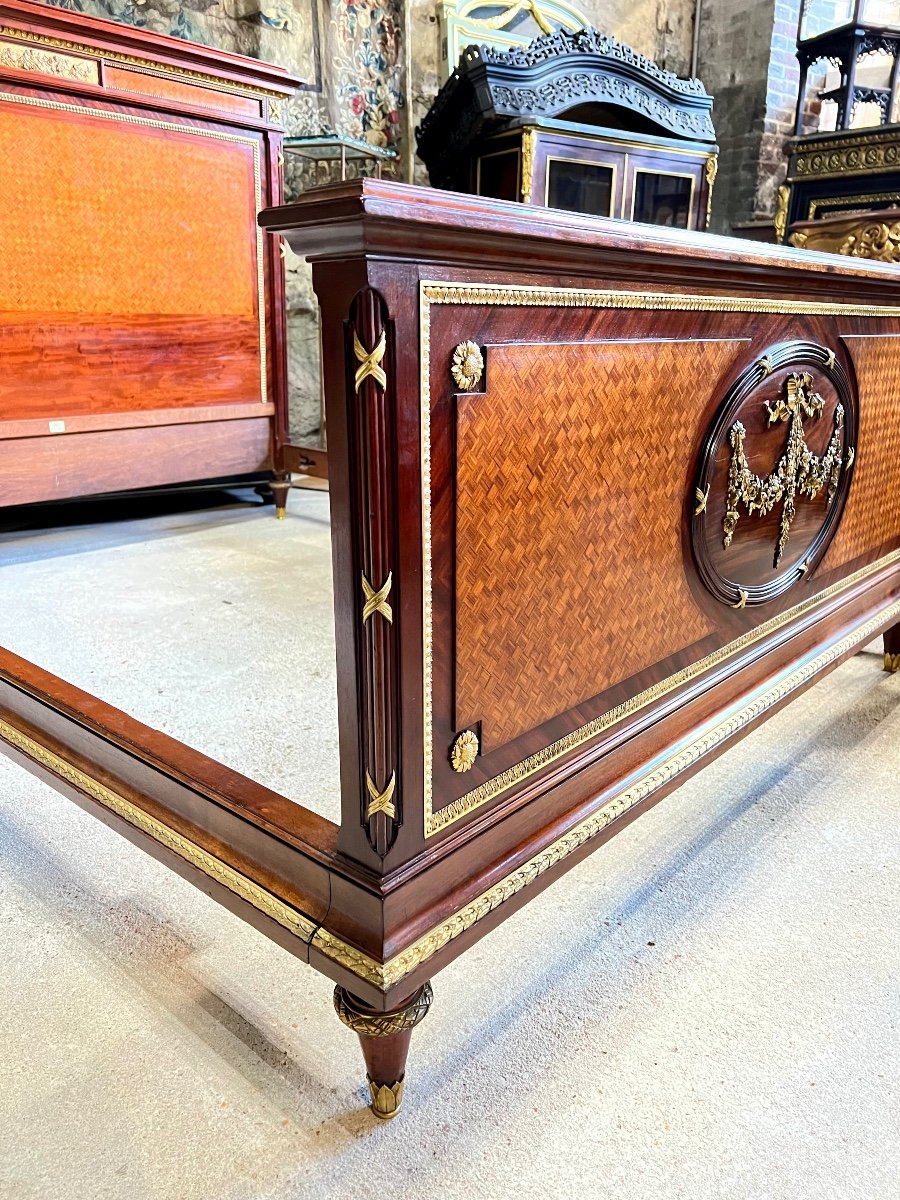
x=34, y=532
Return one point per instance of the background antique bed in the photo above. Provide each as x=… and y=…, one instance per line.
x=142, y=320
x=543, y=431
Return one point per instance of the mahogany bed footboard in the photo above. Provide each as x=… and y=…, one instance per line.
x=603, y=498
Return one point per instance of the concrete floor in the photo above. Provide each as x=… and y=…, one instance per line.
x=201, y=616
x=707, y=1007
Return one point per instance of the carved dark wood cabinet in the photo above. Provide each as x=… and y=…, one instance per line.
x=845, y=158
x=604, y=497
x=575, y=121
x=141, y=312
x=834, y=174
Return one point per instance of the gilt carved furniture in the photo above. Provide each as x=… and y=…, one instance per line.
x=835, y=174
x=870, y=234
x=575, y=121
x=603, y=497
x=141, y=312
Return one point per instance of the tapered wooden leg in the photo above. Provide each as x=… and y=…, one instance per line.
x=892, y=649
x=280, y=487
x=384, y=1037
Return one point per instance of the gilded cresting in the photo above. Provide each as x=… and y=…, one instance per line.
x=449, y=293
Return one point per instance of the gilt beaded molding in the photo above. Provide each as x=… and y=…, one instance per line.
x=388, y=974
x=434, y=292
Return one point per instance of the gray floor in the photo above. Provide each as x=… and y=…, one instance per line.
x=213, y=623
x=707, y=1007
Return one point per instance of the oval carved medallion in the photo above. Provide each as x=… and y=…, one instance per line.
x=774, y=474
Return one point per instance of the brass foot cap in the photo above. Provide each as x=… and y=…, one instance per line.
x=892, y=663
x=386, y=1098
x=280, y=513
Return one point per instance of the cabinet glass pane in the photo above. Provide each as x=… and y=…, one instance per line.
x=818, y=18
x=662, y=199
x=498, y=175
x=580, y=187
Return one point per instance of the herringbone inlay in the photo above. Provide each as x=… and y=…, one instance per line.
x=872, y=515
x=571, y=481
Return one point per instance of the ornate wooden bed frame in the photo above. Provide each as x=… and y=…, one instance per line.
x=603, y=498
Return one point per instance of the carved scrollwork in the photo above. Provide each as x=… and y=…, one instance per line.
x=529, y=141
x=589, y=41
x=564, y=91
x=712, y=170
x=867, y=154
x=782, y=200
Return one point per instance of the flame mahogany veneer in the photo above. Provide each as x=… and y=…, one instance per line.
x=543, y=431
x=141, y=314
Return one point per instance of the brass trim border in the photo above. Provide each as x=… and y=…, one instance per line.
x=214, y=81
x=501, y=783
x=237, y=883
x=386, y=975
x=191, y=131
x=761, y=700
x=665, y=175
x=443, y=293
x=612, y=167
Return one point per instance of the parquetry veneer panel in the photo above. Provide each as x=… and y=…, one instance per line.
x=872, y=517
x=569, y=470
x=560, y=506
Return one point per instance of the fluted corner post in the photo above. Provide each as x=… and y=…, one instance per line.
x=385, y=1038
x=892, y=649
x=372, y=452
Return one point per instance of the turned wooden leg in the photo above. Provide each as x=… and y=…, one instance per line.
x=384, y=1037
x=280, y=488
x=892, y=649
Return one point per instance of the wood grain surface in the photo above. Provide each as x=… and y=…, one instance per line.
x=571, y=475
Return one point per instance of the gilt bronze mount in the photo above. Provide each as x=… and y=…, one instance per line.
x=792, y=489
x=798, y=472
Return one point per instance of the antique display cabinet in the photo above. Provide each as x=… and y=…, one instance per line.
x=141, y=312
x=575, y=121
x=845, y=157
x=604, y=497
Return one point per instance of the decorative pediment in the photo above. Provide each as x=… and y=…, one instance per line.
x=580, y=72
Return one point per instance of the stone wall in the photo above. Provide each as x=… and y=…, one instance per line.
x=747, y=62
